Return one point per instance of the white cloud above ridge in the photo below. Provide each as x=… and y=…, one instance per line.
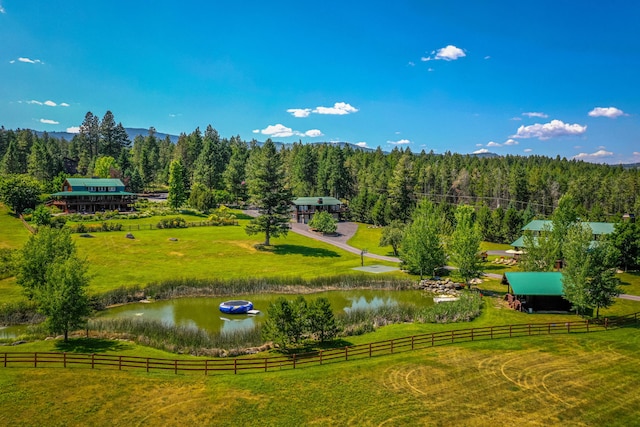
x=362, y=144
x=536, y=114
x=26, y=61
x=49, y=122
x=555, y=128
x=399, y=142
x=481, y=151
x=593, y=156
x=448, y=53
x=528, y=150
x=609, y=112
x=511, y=142
x=281, y=131
x=73, y=129
x=493, y=144
x=338, y=109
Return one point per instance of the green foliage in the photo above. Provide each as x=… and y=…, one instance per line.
x=289, y=322
x=540, y=253
x=464, y=244
x=422, y=250
x=7, y=262
x=324, y=222
x=266, y=186
x=19, y=192
x=177, y=222
x=201, y=198
x=103, y=166
x=589, y=274
x=626, y=239
x=222, y=216
x=54, y=277
x=392, y=235
x=42, y=216
x=177, y=194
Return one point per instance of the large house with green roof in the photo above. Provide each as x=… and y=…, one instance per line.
x=538, y=226
x=305, y=207
x=91, y=195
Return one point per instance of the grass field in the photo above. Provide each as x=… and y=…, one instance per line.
x=13, y=233
x=579, y=379
x=368, y=237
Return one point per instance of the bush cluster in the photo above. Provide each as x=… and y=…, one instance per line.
x=177, y=222
x=94, y=228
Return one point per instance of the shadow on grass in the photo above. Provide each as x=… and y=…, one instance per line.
x=90, y=345
x=304, y=251
x=242, y=216
x=314, y=348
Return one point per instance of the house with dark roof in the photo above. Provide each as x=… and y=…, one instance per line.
x=536, y=291
x=90, y=195
x=304, y=208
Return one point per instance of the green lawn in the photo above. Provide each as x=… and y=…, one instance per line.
x=577, y=379
x=368, y=237
x=13, y=233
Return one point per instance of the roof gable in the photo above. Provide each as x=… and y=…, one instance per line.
x=83, y=184
x=536, y=283
x=596, y=227
x=316, y=201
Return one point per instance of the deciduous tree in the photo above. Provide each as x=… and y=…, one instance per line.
x=464, y=244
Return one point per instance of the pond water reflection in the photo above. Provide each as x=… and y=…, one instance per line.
x=203, y=313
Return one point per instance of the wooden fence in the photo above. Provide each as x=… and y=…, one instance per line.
x=294, y=361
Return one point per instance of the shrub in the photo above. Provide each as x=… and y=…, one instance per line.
x=176, y=222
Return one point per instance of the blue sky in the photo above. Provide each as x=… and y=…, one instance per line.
x=546, y=78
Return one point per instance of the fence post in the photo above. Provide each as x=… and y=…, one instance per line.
x=175, y=366
x=321, y=357
x=346, y=353
x=587, y=325
x=392, y=346
x=206, y=367
x=120, y=363
x=529, y=325
x=235, y=364
x=64, y=359
x=147, y=365
x=93, y=360
x=606, y=323
x=452, y=338
x=412, y=338
x=471, y=334
x=5, y=360
x=35, y=359
x=491, y=332
x=265, y=364
x=369, y=350
x=568, y=327
x=432, y=343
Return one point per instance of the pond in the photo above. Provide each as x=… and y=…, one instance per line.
x=203, y=312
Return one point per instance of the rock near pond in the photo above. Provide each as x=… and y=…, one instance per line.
x=440, y=286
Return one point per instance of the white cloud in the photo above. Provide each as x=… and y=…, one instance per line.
x=281, y=131
x=593, y=156
x=610, y=112
x=411, y=64
x=536, y=114
x=511, y=142
x=49, y=122
x=2, y=9
x=493, y=144
x=28, y=61
x=362, y=144
x=636, y=153
x=339, y=108
x=528, y=150
x=449, y=53
x=277, y=130
x=487, y=57
x=50, y=103
x=64, y=104
x=299, y=112
x=73, y=129
x=481, y=151
x=399, y=142
x=552, y=129
x=33, y=101
x=478, y=145
x=313, y=133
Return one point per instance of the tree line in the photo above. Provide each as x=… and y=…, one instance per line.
x=380, y=187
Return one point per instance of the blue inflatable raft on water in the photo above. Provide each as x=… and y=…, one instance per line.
x=236, y=307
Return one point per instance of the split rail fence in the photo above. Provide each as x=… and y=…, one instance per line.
x=294, y=361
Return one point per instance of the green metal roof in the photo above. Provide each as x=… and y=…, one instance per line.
x=596, y=227
x=536, y=283
x=316, y=201
x=91, y=193
x=94, y=182
x=518, y=243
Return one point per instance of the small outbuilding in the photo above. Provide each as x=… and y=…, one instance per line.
x=537, y=291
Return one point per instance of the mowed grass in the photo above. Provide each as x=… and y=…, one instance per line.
x=13, y=233
x=368, y=237
x=205, y=252
x=577, y=379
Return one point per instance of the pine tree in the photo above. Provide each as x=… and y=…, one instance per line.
x=265, y=183
x=177, y=194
